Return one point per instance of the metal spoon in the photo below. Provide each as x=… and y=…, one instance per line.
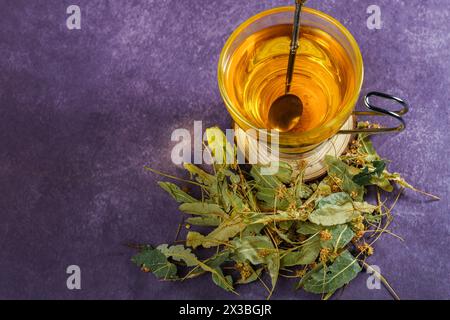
x=286, y=111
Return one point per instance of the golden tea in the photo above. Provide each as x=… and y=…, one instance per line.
x=323, y=75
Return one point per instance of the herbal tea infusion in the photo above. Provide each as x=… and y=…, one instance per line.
x=327, y=77
x=257, y=73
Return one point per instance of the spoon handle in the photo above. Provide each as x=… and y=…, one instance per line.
x=294, y=44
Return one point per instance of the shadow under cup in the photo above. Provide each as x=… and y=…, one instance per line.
x=329, y=62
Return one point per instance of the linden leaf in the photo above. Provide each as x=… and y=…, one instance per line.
x=258, y=250
x=194, y=239
x=179, y=253
x=224, y=232
x=224, y=282
x=200, y=208
x=333, y=210
x=263, y=181
x=269, y=199
x=205, y=221
x=365, y=177
x=156, y=262
x=200, y=175
x=341, y=235
x=341, y=172
x=328, y=279
x=307, y=228
x=307, y=254
x=366, y=147
x=179, y=195
x=364, y=207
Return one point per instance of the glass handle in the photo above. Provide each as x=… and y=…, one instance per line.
x=375, y=111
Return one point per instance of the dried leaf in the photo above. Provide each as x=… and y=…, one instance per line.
x=179, y=253
x=328, y=279
x=308, y=228
x=334, y=210
x=179, y=195
x=206, y=221
x=341, y=235
x=156, y=262
x=341, y=172
x=201, y=208
x=307, y=254
x=258, y=250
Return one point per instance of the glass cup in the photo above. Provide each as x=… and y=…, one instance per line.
x=292, y=143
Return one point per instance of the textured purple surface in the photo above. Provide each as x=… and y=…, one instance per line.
x=81, y=112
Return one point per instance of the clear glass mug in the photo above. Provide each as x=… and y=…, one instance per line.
x=292, y=143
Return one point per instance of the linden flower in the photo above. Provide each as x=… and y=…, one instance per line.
x=292, y=207
x=145, y=269
x=354, y=194
x=324, y=254
x=263, y=253
x=358, y=236
x=366, y=249
x=281, y=191
x=300, y=273
x=325, y=235
x=335, y=188
x=245, y=270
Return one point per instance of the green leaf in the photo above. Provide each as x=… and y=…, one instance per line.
x=200, y=175
x=328, y=279
x=284, y=173
x=219, y=259
x=253, y=229
x=205, y=221
x=341, y=235
x=364, y=178
x=176, y=193
x=224, y=282
x=307, y=254
x=157, y=263
x=258, y=250
x=263, y=181
x=379, y=166
x=194, y=239
x=231, y=200
x=382, y=182
x=308, y=228
x=280, y=216
x=179, y=253
x=333, y=210
x=268, y=197
x=224, y=232
x=201, y=208
x=341, y=171
x=364, y=207
x=338, y=199
x=366, y=147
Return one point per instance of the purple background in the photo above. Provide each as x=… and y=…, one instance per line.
x=81, y=112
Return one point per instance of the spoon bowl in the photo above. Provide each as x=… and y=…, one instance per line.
x=285, y=113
